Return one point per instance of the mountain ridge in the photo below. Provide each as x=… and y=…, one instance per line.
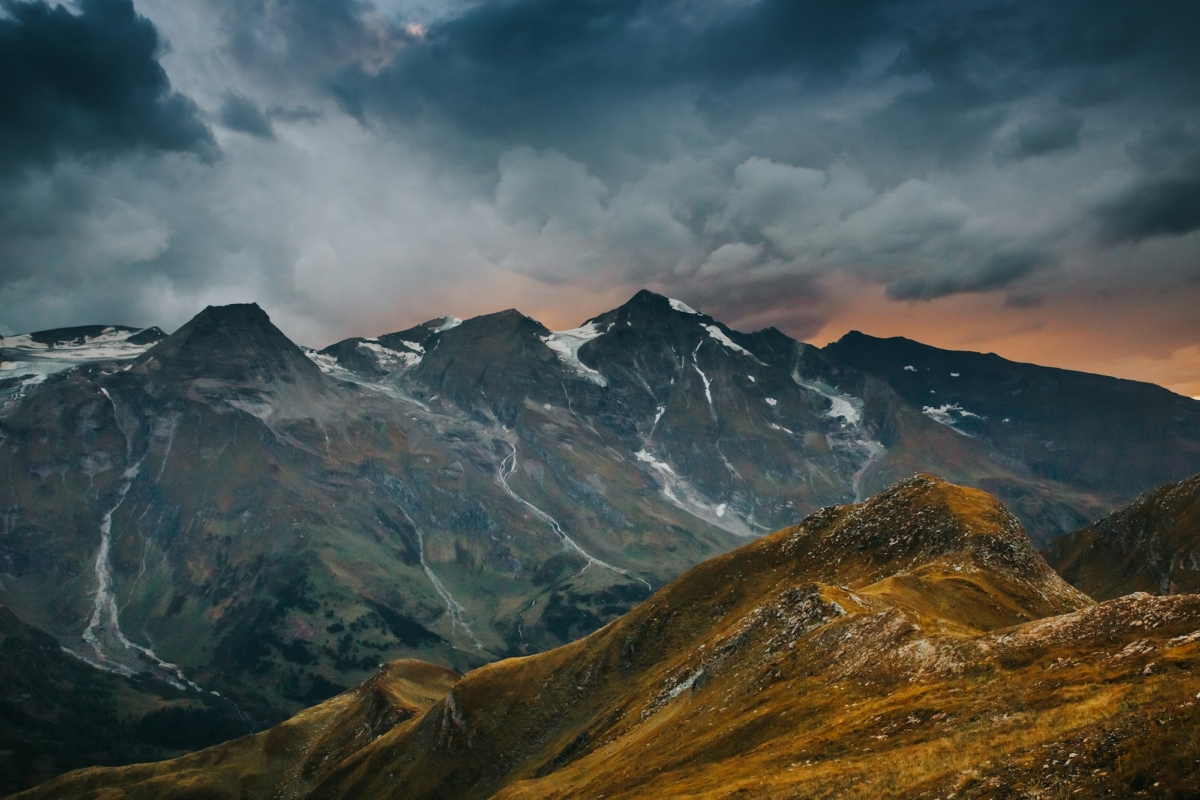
x=697, y=692
x=270, y=522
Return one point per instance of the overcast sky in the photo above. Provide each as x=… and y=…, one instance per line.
x=1011, y=176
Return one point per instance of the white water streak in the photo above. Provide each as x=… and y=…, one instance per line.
x=458, y=614
x=103, y=633
x=875, y=450
x=703, y=377
x=507, y=467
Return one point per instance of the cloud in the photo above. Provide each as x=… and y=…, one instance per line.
x=995, y=271
x=87, y=84
x=1163, y=200
x=1158, y=206
x=241, y=114
x=1050, y=133
x=750, y=154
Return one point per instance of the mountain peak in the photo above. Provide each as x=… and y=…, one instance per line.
x=234, y=312
x=508, y=319
x=647, y=306
x=236, y=345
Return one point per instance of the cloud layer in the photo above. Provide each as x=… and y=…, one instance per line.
x=356, y=166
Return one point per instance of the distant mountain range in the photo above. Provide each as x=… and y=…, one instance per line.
x=224, y=511
x=914, y=645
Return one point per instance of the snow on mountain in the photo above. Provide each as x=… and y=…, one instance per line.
x=567, y=343
x=34, y=357
x=720, y=336
x=950, y=415
x=681, y=306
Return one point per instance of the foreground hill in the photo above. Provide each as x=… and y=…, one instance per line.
x=913, y=645
x=1151, y=545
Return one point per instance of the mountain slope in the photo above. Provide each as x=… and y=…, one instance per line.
x=861, y=653
x=1151, y=545
x=226, y=512
x=292, y=757
x=1101, y=434
x=59, y=713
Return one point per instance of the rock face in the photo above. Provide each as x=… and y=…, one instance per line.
x=227, y=512
x=913, y=645
x=1151, y=545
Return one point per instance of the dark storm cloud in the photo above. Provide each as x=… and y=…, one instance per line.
x=1159, y=206
x=1050, y=133
x=87, y=83
x=554, y=73
x=241, y=114
x=995, y=271
x=1165, y=199
x=295, y=114
x=757, y=155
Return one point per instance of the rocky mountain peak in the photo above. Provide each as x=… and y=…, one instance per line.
x=234, y=355
x=648, y=308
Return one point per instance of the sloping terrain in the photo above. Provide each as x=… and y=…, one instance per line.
x=59, y=713
x=1151, y=545
x=1105, y=435
x=913, y=645
x=224, y=511
x=288, y=760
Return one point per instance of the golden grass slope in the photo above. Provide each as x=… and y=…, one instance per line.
x=914, y=645
x=1151, y=545
x=283, y=762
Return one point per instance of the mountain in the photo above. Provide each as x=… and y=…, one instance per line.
x=225, y=512
x=756, y=426
x=912, y=645
x=1151, y=545
x=1107, y=436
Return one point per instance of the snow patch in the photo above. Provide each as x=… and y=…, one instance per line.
x=325, y=363
x=910, y=368
x=720, y=336
x=721, y=510
x=949, y=414
x=646, y=458
x=772, y=402
x=566, y=345
x=707, y=385
x=389, y=358
x=752, y=379
x=447, y=324
x=842, y=406
x=681, y=306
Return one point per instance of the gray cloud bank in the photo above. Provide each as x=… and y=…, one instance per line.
x=351, y=163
